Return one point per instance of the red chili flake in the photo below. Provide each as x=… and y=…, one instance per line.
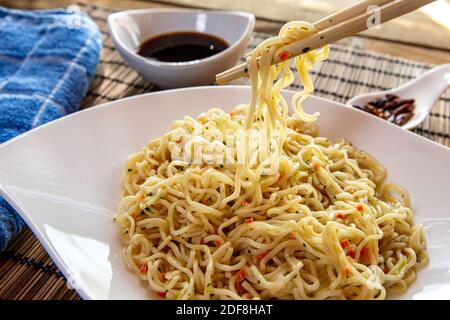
x=249, y=220
x=162, y=294
x=284, y=55
x=340, y=216
x=218, y=243
x=345, y=243
x=232, y=114
x=292, y=236
x=143, y=268
x=261, y=256
x=360, y=207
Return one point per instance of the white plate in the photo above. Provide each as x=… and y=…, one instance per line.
x=64, y=178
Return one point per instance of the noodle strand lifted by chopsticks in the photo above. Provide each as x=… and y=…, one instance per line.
x=322, y=225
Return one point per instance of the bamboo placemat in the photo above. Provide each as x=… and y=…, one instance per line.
x=27, y=272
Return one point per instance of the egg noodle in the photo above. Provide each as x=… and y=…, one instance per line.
x=319, y=224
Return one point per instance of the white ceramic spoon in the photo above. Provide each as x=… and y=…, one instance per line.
x=425, y=90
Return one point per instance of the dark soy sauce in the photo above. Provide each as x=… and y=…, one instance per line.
x=181, y=46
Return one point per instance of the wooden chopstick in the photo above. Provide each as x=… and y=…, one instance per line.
x=344, y=14
x=342, y=24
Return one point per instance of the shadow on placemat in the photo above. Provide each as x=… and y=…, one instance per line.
x=27, y=272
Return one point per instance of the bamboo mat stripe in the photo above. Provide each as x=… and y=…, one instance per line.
x=26, y=270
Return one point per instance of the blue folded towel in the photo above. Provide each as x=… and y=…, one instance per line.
x=47, y=60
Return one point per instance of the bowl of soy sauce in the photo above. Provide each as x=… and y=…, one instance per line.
x=175, y=48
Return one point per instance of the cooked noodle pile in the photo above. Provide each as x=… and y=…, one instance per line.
x=323, y=225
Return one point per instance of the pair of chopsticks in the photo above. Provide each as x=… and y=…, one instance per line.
x=342, y=24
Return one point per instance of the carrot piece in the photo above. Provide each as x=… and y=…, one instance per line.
x=365, y=255
x=143, y=268
x=240, y=276
x=364, y=251
x=249, y=220
x=360, y=207
x=340, y=216
x=351, y=253
x=345, y=243
x=261, y=256
x=284, y=55
x=232, y=114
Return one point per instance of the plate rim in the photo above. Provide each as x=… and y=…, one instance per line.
x=109, y=104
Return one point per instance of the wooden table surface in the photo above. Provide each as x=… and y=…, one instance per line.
x=417, y=37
